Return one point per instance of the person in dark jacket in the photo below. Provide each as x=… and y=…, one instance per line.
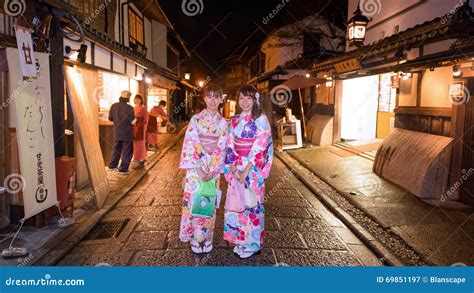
x=122, y=115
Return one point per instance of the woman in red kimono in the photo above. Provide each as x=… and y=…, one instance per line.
x=139, y=130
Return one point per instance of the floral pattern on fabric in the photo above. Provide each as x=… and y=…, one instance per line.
x=193, y=156
x=247, y=228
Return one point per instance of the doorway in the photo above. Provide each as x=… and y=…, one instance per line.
x=359, y=108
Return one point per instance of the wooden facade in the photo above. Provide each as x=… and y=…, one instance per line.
x=423, y=115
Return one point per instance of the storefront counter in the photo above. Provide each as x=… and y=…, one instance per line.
x=106, y=138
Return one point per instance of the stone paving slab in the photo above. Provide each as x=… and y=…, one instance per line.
x=300, y=231
x=443, y=236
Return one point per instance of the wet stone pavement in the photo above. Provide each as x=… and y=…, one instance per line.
x=300, y=231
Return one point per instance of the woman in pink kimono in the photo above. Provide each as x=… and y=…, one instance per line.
x=139, y=131
x=202, y=157
x=249, y=159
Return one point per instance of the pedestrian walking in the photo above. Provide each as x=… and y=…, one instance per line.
x=139, y=130
x=121, y=114
x=248, y=161
x=155, y=113
x=202, y=157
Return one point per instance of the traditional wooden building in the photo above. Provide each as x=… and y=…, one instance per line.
x=412, y=93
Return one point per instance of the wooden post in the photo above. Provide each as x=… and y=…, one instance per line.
x=56, y=63
x=302, y=114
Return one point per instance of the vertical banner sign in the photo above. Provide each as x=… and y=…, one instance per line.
x=26, y=53
x=34, y=128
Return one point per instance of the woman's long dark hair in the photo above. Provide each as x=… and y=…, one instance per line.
x=250, y=91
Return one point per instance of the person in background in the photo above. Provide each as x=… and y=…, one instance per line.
x=155, y=112
x=139, y=130
x=121, y=114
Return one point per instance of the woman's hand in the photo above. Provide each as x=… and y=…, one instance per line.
x=242, y=175
x=203, y=175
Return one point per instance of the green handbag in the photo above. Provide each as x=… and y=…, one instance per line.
x=204, y=201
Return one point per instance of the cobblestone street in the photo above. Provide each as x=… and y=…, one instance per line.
x=300, y=231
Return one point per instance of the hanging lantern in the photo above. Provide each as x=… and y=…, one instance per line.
x=356, y=28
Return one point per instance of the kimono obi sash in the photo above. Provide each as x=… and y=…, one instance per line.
x=208, y=142
x=243, y=146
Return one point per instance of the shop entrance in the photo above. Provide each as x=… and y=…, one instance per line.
x=368, y=105
x=359, y=108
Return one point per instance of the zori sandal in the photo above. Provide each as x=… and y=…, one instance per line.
x=195, y=247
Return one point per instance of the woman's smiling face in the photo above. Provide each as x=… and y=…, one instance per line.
x=213, y=100
x=245, y=102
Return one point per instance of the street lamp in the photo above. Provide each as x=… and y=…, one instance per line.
x=329, y=82
x=356, y=28
x=201, y=83
x=187, y=76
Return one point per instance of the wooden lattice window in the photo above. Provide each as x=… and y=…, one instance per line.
x=135, y=28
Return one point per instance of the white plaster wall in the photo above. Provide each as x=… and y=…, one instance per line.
x=148, y=38
x=435, y=87
x=159, y=43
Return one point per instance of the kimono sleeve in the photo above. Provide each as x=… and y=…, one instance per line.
x=219, y=155
x=258, y=153
x=190, y=159
x=145, y=115
x=229, y=156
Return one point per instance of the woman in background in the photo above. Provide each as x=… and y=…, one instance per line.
x=139, y=130
x=155, y=112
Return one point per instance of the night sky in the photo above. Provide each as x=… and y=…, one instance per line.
x=225, y=27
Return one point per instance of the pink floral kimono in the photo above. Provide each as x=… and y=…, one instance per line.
x=248, y=141
x=203, y=146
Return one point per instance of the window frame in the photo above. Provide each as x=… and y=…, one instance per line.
x=132, y=39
